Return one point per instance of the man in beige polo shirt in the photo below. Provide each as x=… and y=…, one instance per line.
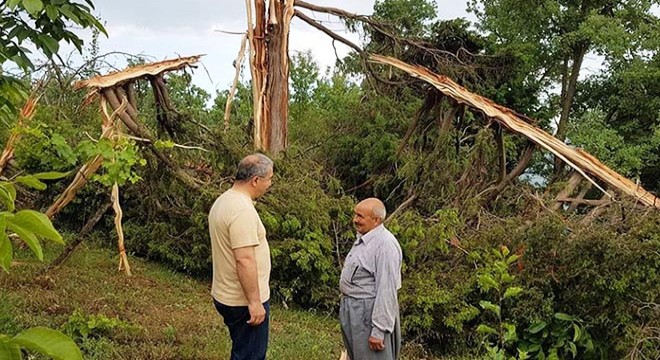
x=241, y=259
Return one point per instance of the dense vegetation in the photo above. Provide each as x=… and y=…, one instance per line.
x=488, y=271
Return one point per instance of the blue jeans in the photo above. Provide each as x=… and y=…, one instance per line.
x=248, y=342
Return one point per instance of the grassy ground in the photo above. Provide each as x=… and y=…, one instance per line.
x=154, y=314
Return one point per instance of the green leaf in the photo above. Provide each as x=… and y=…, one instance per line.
x=52, y=175
x=564, y=317
x=33, y=6
x=510, y=334
x=578, y=332
x=13, y=3
x=31, y=181
x=51, y=44
x=553, y=355
x=537, y=327
x=487, y=282
x=66, y=10
x=27, y=236
x=6, y=196
x=485, y=329
x=38, y=224
x=49, y=342
x=6, y=252
x=52, y=13
x=573, y=349
x=9, y=350
x=487, y=305
x=512, y=259
x=512, y=291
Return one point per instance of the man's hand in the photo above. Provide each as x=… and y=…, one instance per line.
x=376, y=344
x=257, y=314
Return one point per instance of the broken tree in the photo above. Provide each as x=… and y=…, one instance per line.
x=268, y=35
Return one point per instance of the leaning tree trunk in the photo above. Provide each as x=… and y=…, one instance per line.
x=569, y=85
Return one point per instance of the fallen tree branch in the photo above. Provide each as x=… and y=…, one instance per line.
x=327, y=31
x=69, y=249
x=577, y=159
x=237, y=64
x=401, y=207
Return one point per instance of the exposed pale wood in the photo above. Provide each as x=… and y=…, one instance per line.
x=237, y=65
x=137, y=72
x=275, y=128
x=579, y=160
x=123, y=258
x=259, y=64
x=81, y=178
x=24, y=116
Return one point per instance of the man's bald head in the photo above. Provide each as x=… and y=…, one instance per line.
x=253, y=165
x=368, y=214
x=376, y=208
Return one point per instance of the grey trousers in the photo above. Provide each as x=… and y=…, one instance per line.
x=355, y=320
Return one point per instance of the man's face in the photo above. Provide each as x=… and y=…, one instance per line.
x=263, y=183
x=363, y=219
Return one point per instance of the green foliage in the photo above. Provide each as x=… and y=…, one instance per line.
x=119, y=159
x=29, y=225
x=43, y=23
x=42, y=340
x=565, y=336
x=409, y=17
x=42, y=147
x=82, y=326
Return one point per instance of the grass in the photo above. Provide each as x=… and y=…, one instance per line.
x=163, y=314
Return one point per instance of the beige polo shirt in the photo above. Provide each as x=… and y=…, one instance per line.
x=234, y=223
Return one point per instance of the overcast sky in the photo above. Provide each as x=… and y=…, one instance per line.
x=170, y=28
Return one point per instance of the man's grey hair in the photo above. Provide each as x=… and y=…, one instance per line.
x=253, y=165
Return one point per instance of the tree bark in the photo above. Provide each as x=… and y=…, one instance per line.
x=573, y=183
x=87, y=228
x=276, y=101
x=569, y=85
x=517, y=171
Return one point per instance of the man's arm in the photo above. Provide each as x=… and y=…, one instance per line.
x=386, y=305
x=246, y=268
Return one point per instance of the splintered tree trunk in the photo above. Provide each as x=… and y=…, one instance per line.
x=269, y=65
x=277, y=88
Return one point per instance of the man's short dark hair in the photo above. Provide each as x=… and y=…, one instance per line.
x=253, y=165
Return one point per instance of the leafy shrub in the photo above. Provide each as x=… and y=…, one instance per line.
x=82, y=326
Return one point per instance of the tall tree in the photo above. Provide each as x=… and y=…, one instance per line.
x=558, y=34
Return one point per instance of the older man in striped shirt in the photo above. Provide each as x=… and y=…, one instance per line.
x=369, y=310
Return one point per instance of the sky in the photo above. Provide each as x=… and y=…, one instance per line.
x=166, y=29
